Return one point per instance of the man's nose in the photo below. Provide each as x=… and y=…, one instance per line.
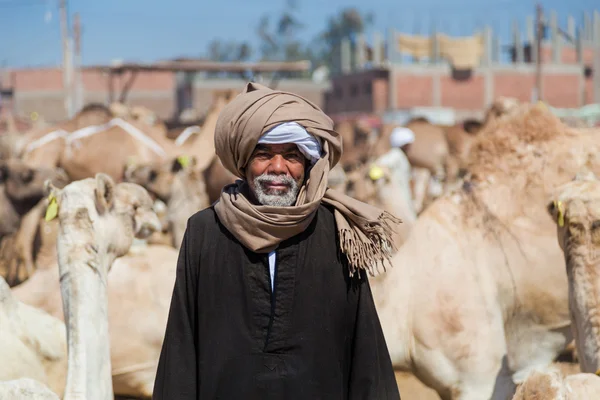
x=277, y=165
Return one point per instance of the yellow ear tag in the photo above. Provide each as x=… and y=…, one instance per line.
x=376, y=173
x=131, y=161
x=52, y=209
x=184, y=161
x=561, y=213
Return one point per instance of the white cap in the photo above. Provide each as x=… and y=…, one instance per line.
x=401, y=136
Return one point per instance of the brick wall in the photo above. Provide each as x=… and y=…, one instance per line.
x=40, y=90
x=435, y=86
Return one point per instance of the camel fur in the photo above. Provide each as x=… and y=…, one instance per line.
x=492, y=303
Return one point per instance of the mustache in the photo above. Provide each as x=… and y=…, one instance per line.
x=277, y=179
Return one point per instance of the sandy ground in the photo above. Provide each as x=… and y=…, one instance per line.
x=412, y=389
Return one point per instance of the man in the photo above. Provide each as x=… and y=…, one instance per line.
x=395, y=160
x=271, y=299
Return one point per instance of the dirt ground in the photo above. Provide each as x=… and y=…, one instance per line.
x=412, y=389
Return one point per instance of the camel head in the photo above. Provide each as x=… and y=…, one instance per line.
x=365, y=182
x=92, y=114
x=25, y=184
x=575, y=207
x=104, y=213
x=500, y=108
x=158, y=178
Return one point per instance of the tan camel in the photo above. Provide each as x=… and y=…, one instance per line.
x=477, y=297
x=553, y=385
x=43, y=146
x=94, y=141
x=177, y=183
x=98, y=221
x=375, y=185
x=575, y=207
x=202, y=148
x=21, y=205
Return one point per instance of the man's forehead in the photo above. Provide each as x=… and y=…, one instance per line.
x=277, y=147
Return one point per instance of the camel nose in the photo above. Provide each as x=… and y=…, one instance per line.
x=150, y=223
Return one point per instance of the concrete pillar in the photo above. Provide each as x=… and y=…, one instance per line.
x=377, y=49
x=360, y=50
x=392, y=50
x=346, y=56
x=517, y=43
x=587, y=27
x=555, y=38
x=487, y=46
x=531, y=37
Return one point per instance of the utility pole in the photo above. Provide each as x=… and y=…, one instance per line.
x=538, y=59
x=596, y=64
x=67, y=59
x=77, y=61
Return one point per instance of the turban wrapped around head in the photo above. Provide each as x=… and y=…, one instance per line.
x=364, y=231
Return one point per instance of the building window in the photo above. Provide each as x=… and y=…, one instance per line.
x=368, y=87
x=354, y=90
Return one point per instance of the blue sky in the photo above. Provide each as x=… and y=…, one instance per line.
x=148, y=30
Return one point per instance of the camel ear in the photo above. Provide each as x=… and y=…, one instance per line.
x=556, y=209
x=105, y=193
x=183, y=162
x=472, y=126
x=49, y=188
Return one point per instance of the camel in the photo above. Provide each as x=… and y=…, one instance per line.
x=202, y=148
x=95, y=141
x=140, y=285
x=477, y=296
x=98, y=222
x=33, y=345
x=574, y=207
x=21, y=198
x=177, y=183
x=43, y=146
x=376, y=185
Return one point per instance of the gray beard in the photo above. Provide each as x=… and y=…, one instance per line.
x=283, y=198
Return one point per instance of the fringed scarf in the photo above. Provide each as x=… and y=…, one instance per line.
x=365, y=232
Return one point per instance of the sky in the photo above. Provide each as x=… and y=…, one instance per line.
x=152, y=30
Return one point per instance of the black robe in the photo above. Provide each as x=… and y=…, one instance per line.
x=317, y=336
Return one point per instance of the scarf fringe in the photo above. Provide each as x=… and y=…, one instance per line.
x=374, y=249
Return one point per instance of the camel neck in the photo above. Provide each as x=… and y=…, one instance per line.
x=83, y=267
x=584, y=306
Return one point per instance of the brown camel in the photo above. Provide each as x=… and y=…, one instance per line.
x=22, y=205
x=44, y=146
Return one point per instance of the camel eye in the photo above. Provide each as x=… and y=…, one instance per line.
x=152, y=176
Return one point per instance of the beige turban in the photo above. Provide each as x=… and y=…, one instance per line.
x=364, y=231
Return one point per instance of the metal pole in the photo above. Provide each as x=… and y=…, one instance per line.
x=538, y=60
x=67, y=63
x=78, y=88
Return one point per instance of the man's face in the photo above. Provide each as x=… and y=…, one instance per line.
x=275, y=173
